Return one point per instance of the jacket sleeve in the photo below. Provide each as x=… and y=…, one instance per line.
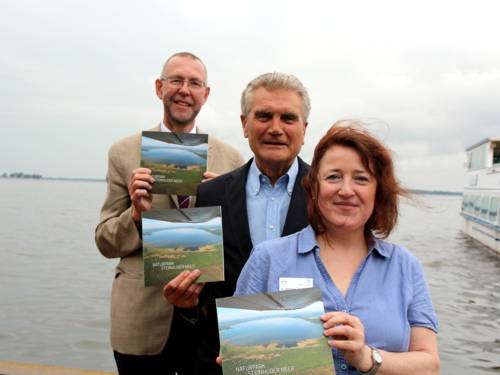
x=117, y=235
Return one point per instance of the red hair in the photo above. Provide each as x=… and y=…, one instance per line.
x=376, y=158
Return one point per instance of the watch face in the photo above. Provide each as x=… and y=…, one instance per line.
x=377, y=357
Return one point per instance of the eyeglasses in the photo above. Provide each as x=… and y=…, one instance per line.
x=178, y=82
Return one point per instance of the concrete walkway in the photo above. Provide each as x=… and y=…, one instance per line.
x=19, y=368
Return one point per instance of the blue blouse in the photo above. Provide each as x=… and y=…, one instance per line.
x=388, y=292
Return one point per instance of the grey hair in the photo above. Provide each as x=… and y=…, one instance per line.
x=184, y=54
x=274, y=81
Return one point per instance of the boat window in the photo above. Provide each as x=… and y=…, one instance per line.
x=477, y=205
x=477, y=157
x=494, y=205
x=468, y=204
x=496, y=152
x=485, y=202
x=470, y=207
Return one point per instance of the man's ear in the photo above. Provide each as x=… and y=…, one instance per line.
x=244, y=120
x=158, y=88
x=207, y=92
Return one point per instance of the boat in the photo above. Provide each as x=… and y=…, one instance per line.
x=481, y=200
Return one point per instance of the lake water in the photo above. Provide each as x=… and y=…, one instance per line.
x=55, y=285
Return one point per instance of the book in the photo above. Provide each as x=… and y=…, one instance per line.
x=177, y=161
x=274, y=333
x=182, y=239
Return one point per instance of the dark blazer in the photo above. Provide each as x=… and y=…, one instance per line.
x=228, y=191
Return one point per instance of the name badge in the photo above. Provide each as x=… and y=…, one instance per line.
x=287, y=283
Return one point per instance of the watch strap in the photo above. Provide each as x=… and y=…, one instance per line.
x=376, y=360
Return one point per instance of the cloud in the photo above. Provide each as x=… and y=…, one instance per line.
x=424, y=74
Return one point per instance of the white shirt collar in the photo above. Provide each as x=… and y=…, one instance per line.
x=163, y=128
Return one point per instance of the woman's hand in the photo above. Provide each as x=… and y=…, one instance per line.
x=346, y=333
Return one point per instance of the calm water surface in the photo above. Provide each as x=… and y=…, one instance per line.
x=55, y=286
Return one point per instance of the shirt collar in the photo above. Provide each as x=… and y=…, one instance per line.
x=382, y=248
x=163, y=128
x=307, y=242
x=254, y=177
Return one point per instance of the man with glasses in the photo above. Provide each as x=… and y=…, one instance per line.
x=148, y=335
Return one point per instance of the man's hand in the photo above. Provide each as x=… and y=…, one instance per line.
x=207, y=176
x=182, y=292
x=138, y=189
x=219, y=360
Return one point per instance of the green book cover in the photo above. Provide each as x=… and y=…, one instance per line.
x=274, y=333
x=177, y=161
x=182, y=239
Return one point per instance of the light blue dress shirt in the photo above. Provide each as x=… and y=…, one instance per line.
x=267, y=205
x=388, y=292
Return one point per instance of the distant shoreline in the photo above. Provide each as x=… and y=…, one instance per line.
x=435, y=192
x=55, y=178
x=413, y=191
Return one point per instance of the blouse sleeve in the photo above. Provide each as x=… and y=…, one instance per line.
x=421, y=312
x=254, y=276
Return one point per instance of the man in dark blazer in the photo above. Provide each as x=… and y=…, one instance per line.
x=264, y=199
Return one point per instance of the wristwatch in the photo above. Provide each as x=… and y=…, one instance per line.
x=377, y=362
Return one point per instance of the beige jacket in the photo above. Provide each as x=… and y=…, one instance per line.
x=140, y=316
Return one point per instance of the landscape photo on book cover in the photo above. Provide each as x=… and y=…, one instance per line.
x=182, y=239
x=177, y=161
x=274, y=333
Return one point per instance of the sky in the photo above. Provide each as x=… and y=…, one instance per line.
x=76, y=76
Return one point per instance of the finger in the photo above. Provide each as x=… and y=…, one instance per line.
x=173, y=284
x=327, y=316
x=346, y=345
x=189, y=279
x=335, y=318
x=207, y=176
x=219, y=360
x=332, y=319
x=194, y=291
x=141, y=170
x=143, y=205
x=142, y=177
x=135, y=177
x=140, y=206
x=341, y=332
x=177, y=290
x=140, y=184
x=199, y=288
x=139, y=193
x=354, y=321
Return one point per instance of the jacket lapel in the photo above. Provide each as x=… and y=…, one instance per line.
x=296, y=217
x=237, y=207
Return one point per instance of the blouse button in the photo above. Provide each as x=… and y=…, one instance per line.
x=343, y=366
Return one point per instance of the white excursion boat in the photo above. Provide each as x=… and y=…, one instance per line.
x=481, y=200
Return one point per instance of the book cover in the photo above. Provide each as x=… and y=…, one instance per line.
x=182, y=239
x=274, y=333
x=177, y=161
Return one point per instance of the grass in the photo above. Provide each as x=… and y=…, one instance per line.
x=163, y=264
x=171, y=179
x=308, y=357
